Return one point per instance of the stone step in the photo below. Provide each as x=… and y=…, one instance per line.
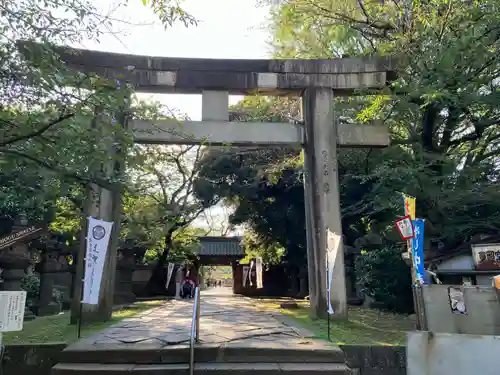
x=258, y=368
x=205, y=353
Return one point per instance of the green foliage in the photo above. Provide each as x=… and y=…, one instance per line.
x=58, y=126
x=23, y=189
x=271, y=253
x=265, y=187
x=31, y=284
x=141, y=226
x=170, y=11
x=184, y=245
x=68, y=213
x=442, y=110
x=384, y=276
x=260, y=185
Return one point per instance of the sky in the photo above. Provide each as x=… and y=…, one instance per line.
x=226, y=29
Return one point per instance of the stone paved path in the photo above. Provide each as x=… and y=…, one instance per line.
x=225, y=320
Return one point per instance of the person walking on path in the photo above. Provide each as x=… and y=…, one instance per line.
x=193, y=275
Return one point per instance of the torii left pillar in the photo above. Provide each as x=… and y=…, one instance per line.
x=104, y=204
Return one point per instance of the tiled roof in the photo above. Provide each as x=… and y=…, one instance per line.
x=221, y=246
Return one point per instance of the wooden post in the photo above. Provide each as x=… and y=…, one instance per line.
x=418, y=300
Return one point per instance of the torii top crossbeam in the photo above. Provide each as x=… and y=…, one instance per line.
x=215, y=79
x=270, y=77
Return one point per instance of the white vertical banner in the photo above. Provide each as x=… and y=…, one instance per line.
x=251, y=272
x=258, y=272
x=170, y=271
x=246, y=271
x=332, y=247
x=98, y=235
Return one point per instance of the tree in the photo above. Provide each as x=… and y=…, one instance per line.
x=46, y=110
x=217, y=224
x=67, y=125
x=166, y=175
x=249, y=180
x=265, y=188
x=441, y=109
x=394, y=292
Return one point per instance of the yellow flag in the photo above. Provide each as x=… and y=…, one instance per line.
x=410, y=206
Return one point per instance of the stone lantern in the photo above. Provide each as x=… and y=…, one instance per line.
x=15, y=261
x=48, y=269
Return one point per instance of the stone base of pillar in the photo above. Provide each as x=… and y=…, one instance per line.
x=124, y=297
x=355, y=301
x=177, y=290
x=93, y=316
x=50, y=309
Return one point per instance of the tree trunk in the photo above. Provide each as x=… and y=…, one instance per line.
x=156, y=283
x=293, y=280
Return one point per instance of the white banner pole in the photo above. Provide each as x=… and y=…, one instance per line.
x=98, y=235
x=333, y=242
x=170, y=271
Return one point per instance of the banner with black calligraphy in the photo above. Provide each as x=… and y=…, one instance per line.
x=332, y=248
x=99, y=232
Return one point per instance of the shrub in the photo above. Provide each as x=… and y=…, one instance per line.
x=383, y=275
x=31, y=284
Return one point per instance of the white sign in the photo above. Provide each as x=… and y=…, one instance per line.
x=332, y=247
x=170, y=271
x=98, y=236
x=12, y=311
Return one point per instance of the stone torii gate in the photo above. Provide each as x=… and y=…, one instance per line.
x=316, y=81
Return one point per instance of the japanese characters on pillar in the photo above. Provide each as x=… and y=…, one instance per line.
x=99, y=232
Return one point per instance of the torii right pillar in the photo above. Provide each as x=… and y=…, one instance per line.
x=322, y=201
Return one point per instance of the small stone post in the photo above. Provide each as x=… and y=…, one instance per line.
x=47, y=269
x=124, y=272
x=354, y=296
